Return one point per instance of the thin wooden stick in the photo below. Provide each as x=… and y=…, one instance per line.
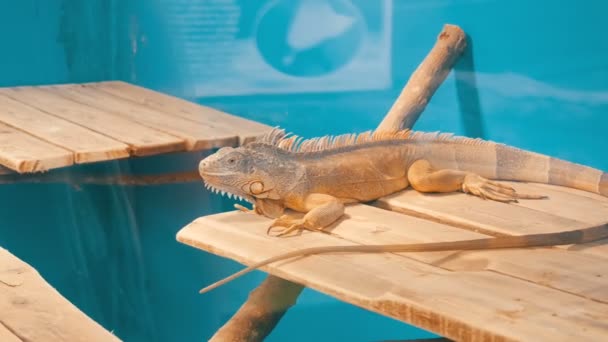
x=423, y=83
x=267, y=303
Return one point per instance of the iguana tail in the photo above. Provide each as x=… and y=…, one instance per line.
x=501, y=162
x=520, y=165
x=533, y=240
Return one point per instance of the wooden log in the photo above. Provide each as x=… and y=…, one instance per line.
x=423, y=83
x=261, y=312
x=267, y=303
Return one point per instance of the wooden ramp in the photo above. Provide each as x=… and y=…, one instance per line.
x=48, y=127
x=31, y=310
x=543, y=294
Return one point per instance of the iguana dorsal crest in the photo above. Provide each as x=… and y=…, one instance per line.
x=278, y=138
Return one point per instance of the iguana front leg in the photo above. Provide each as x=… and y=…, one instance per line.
x=321, y=211
x=424, y=178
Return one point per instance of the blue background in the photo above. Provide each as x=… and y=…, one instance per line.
x=535, y=76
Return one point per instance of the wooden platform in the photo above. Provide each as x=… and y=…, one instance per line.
x=48, y=127
x=545, y=294
x=31, y=310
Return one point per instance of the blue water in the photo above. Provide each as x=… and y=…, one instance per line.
x=535, y=76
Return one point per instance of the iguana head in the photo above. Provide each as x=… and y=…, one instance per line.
x=245, y=173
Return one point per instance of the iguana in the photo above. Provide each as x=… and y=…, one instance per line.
x=319, y=176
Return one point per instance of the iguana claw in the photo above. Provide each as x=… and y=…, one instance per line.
x=487, y=189
x=287, y=225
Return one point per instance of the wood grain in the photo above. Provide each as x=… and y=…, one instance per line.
x=566, y=209
x=576, y=204
x=573, y=272
x=428, y=76
x=472, y=306
x=142, y=140
x=34, y=311
x=198, y=136
x=22, y=152
x=88, y=146
x=244, y=128
x=477, y=214
x=106, y=121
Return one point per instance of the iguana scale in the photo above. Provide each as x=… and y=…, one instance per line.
x=319, y=176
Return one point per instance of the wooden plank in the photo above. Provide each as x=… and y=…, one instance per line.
x=576, y=204
x=472, y=306
x=34, y=311
x=142, y=140
x=88, y=146
x=572, y=272
x=560, y=269
x=542, y=188
x=22, y=152
x=564, y=210
x=244, y=128
x=198, y=136
x=477, y=214
x=571, y=203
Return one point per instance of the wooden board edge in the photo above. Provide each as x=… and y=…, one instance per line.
x=101, y=156
x=410, y=312
x=156, y=149
x=20, y=280
x=22, y=163
x=143, y=148
x=243, y=138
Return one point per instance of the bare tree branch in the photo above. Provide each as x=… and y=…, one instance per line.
x=423, y=83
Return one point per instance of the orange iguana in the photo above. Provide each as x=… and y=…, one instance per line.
x=319, y=176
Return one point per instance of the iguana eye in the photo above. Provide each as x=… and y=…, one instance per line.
x=231, y=161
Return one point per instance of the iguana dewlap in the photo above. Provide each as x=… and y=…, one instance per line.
x=318, y=176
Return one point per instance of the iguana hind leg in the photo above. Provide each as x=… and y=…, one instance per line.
x=321, y=211
x=424, y=178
